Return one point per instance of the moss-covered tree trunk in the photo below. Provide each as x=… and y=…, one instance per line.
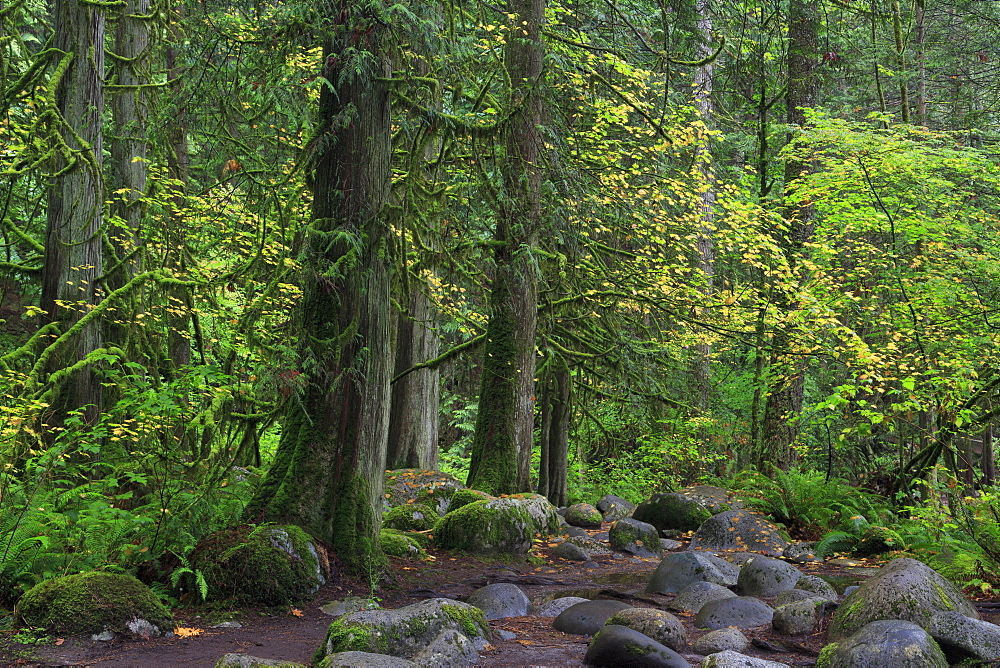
x=501, y=447
x=556, y=411
x=73, y=244
x=328, y=471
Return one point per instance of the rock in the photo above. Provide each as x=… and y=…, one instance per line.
x=500, y=526
x=743, y=612
x=798, y=618
x=614, y=507
x=402, y=485
x=227, y=625
x=361, y=660
x=554, y=607
x=398, y=544
x=589, y=546
x=672, y=511
x=721, y=640
x=405, y=631
x=543, y=513
x=892, y=643
x=94, y=602
x=801, y=553
x=574, y=532
x=661, y=626
x=444, y=499
x=584, y=515
x=449, y=648
x=588, y=617
x=963, y=638
x=731, y=659
x=500, y=600
x=103, y=636
x=277, y=564
x=793, y=596
x=716, y=499
x=506, y=635
x=410, y=517
x=349, y=604
x=244, y=661
x=697, y=594
x=817, y=586
x=730, y=571
x=903, y=589
x=739, y=530
x=570, y=552
x=635, y=537
x=669, y=544
x=764, y=576
x=621, y=646
x=679, y=569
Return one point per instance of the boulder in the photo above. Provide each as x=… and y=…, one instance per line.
x=500, y=526
x=621, y=646
x=661, y=626
x=614, y=507
x=450, y=648
x=584, y=515
x=697, y=594
x=798, y=618
x=406, y=631
x=818, y=586
x=591, y=547
x=570, y=552
x=399, y=544
x=679, y=569
x=543, y=513
x=574, y=532
x=346, y=605
x=410, y=517
x=588, y=617
x=277, y=564
x=444, y=499
x=635, y=537
x=721, y=640
x=358, y=660
x=801, y=553
x=765, y=576
x=672, y=511
x=500, y=600
x=963, y=638
x=404, y=485
x=793, y=596
x=739, y=530
x=554, y=607
x=731, y=659
x=244, y=661
x=743, y=612
x=94, y=602
x=904, y=589
x=889, y=642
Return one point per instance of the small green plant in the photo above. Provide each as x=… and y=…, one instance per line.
x=30, y=635
x=186, y=572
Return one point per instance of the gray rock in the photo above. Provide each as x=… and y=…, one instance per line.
x=963, y=638
x=570, y=552
x=506, y=635
x=793, y=596
x=592, y=547
x=584, y=515
x=450, y=648
x=661, y=626
x=227, y=625
x=697, y=594
x=743, y=612
x=730, y=570
x=669, y=544
x=818, y=586
x=801, y=553
x=903, y=589
x=500, y=600
x=739, y=530
x=575, y=532
x=244, y=661
x=679, y=569
x=890, y=642
x=798, y=618
x=588, y=617
x=764, y=576
x=721, y=640
x=349, y=604
x=672, y=511
x=731, y=659
x=716, y=499
x=103, y=636
x=740, y=558
x=635, y=537
x=555, y=607
x=850, y=590
x=614, y=507
x=621, y=646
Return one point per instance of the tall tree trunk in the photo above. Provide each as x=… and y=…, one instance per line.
x=784, y=399
x=328, y=469
x=918, y=18
x=556, y=412
x=501, y=446
x=73, y=252
x=413, y=419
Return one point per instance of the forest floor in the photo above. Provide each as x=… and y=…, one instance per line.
x=294, y=633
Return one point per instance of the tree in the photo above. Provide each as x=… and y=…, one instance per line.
x=328, y=471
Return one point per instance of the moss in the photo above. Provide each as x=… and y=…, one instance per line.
x=397, y=544
x=672, y=511
x=486, y=527
x=90, y=602
x=341, y=637
x=463, y=497
x=635, y=649
x=826, y=655
x=410, y=517
x=472, y=621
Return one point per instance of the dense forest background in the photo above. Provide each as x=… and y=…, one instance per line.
x=254, y=254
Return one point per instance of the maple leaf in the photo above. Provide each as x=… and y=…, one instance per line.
x=297, y=612
x=186, y=632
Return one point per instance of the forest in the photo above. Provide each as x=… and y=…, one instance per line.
x=255, y=254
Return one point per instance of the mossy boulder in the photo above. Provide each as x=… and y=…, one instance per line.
x=410, y=517
x=890, y=642
x=878, y=540
x=245, y=661
x=715, y=499
x=630, y=535
x=903, y=589
x=406, y=485
x=672, y=511
x=268, y=564
x=543, y=513
x=500, y=526
x=584, y=515
x=739, y=530
x=403, y=632
x=398, y=544
x=94, y=602
x=445, y=499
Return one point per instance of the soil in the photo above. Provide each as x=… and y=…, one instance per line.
x=294, y=634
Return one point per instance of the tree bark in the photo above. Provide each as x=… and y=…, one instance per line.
x=328, y=471
x=73, y=251
x=556, y=413
x=501, y=447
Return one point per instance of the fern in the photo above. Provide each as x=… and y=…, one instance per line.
x=835, y=541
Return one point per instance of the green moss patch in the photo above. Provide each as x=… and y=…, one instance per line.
x=410, y=517
x=398, y=544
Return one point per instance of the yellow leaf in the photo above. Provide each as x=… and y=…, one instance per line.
x=297, y=612
x=183, y=632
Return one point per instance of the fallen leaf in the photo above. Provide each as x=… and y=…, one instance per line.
x=297, y=612
x=185, y=632
x=60, y=641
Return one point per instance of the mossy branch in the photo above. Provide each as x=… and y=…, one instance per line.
x=443, y=357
